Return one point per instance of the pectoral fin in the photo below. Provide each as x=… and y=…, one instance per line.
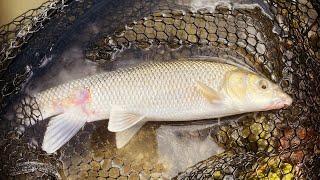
x=62, y=128
x=123, y=137
x=210, y=94
x=121, y=119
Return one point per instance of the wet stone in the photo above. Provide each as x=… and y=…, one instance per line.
x=251, y=30
x=209, y=18
x=95, y=165
x=222, y=33
x=83, y=174
x=126, y=170
x=301, y=132
x=162, y=36
x=98, y=156
x=103, y=173
x=86, y=159
x=260, y=37
x=73, y=177
x=203, y=41
x=242, y=35
x=202, y=33
x=76, y=160
x=142, y=38
x=188, y=19
x=262, y=144
x=168, y=21
x=212, y=37
x=222, y=23
x=252, y=41
x=117, y=161
x=130, y=35
x=231, y=29
x=149, y=23
x=101, y=178
x=147, y=166
x=170, y=30
x=182, y=35
x=241, y=24
x=261, y=48
x=302, y=7
x=84, y=167
x=114, y=172
x=73, y=170
x=144, y=175
x=92, y=173
x=312, y=13
x=191, y=29
x=192, y=38
x=133, y=176
x=253, y=137
x=200, y=22
x=179, y=24
x=122, y=178
x=232, y=38
x=159, y=26
x=150, y=33
x=242, y=43
x=122, y=41
x=138, y=28
x=211, y=27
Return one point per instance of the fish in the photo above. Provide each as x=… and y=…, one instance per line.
x=179, y=90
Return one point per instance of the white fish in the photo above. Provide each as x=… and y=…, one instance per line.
x=165, y=91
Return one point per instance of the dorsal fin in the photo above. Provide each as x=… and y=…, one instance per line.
x=227, y=60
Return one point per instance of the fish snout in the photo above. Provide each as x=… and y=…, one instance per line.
x=281, y=102
x=286, y=100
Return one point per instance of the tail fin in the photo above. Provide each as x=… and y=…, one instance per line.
x=62, y=128
x=27, y=111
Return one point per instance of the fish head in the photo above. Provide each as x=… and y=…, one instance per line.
x=252, y=92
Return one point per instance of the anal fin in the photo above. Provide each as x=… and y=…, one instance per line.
x=123, y=137
x=62, y=128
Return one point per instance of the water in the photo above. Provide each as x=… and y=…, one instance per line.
x=101, y=36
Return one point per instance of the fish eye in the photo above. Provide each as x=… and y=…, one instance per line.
x=263, y=84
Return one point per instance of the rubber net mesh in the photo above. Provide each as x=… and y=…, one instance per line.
x=280, y=39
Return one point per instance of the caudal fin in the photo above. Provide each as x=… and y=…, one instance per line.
x=62, y=128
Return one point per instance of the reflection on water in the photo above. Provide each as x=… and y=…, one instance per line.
x=182, y=147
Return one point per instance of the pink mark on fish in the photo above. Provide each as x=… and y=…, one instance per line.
x=275, y=105
x=77, y=98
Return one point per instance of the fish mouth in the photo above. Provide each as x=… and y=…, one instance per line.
x=280, y=103
x=287, y=101
x=277, y=105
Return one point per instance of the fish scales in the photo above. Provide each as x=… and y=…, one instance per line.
x=181, y=90
x=158, y=90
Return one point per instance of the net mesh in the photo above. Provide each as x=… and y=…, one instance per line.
x=282, y=44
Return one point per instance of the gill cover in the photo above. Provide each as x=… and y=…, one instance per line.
x=235, y=85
